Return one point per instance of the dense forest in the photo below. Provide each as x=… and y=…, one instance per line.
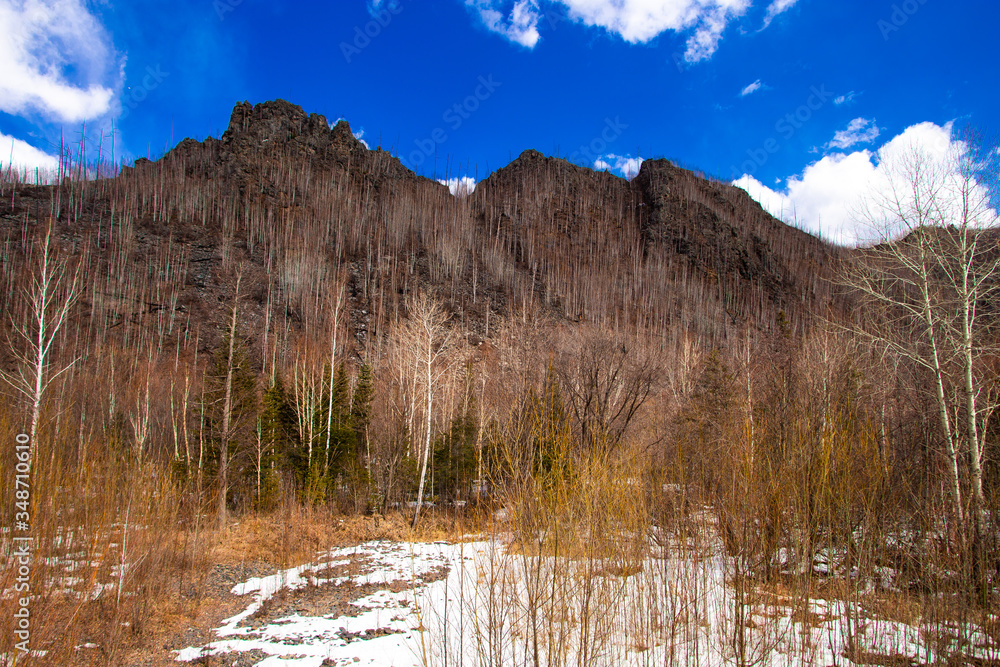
x=281, y=323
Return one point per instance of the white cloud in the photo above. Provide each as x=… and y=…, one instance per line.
x=54, y=59
x=460, y=187
x=859, y=131
x=826, y=197
x=635, y=21
x=520, y=25
x=625, y=165
x=359, y=136
x=752, y=88
x=845, y=99
x=712, y=17
x=23, y=155
x=777, y=7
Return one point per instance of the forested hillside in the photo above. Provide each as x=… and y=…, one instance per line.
x=284, y=318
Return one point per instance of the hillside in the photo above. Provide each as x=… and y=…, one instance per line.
x=296, y=202
x=259, y=349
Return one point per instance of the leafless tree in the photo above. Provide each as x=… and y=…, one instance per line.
x=429, y=342
x=607, y=380
x=334, y=342
x=925, y=283
x=52, y=288
x=227, y=409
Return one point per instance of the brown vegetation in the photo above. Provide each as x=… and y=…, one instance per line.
x=263, y=344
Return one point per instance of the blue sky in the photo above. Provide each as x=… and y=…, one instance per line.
x=791, y=98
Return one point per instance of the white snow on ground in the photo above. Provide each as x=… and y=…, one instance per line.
x=391, y=619
x=677, y=610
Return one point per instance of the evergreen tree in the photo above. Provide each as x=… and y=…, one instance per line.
x=277, y=442
x=361, y=406
x=357, y=472
x=455, y=450
x=229, y=410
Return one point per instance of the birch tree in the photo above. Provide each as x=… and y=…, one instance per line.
x=965, y=252
x=429, y=343
x=52, y=288
x=227, y=412
x=334, y=342
x=923, y=283
x=231, y=400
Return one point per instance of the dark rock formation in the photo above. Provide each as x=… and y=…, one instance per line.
x=300, y=202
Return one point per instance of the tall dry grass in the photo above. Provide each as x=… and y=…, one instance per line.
x=110, y=542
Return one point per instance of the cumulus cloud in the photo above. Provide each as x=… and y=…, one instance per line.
x=519, y=24
x=635, y=21
x=625, y=165
x=54, y=60
x=827, y=196
x=752, y=88
x=460, y=187
x=23, y=155
x=859, y=131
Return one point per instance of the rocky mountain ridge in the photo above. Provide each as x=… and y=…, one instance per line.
x=300, y=206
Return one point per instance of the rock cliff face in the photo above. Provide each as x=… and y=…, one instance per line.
x=282, y=127
x=720, y=228
x=675, y=248
x=303, y=207
x=264, y=134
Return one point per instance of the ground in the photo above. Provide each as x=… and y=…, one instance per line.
x=355, y=605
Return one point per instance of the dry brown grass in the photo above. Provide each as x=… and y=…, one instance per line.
x=293, y=536
x=257, y=544
x=898, y=607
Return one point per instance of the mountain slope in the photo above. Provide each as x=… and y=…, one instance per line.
x=297, y=208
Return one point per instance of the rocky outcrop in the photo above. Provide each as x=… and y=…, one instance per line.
x=297, y=198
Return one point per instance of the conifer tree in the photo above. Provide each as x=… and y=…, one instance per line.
x=455, y=450
x=276, y=441
x=361, y=408
x=230, y=403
